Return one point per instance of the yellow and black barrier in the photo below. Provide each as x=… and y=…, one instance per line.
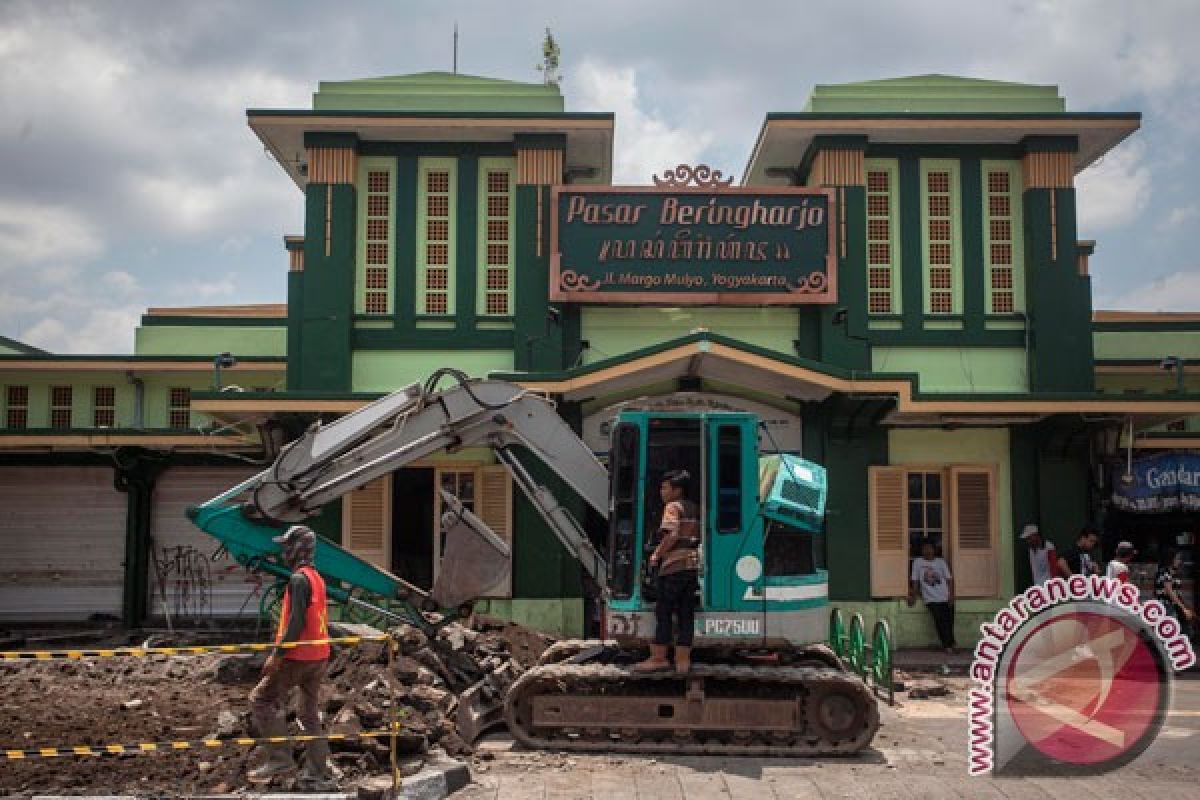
x=189, y=650
x=196, y=744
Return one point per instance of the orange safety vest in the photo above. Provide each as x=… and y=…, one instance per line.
x=315, y=620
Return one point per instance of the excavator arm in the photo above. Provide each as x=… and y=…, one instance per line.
x=332, y=459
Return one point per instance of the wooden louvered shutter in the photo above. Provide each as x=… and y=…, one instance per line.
x=974, y=530
x=367, y=522
x=889, y=532
x=495, y=509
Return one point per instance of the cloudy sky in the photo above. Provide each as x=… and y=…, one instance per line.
x=128, y=176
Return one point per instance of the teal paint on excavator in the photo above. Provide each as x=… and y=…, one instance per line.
x=763, y=572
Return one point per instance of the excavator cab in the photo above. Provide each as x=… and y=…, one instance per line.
x=762, y=577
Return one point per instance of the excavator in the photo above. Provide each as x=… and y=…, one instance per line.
x=761, y=682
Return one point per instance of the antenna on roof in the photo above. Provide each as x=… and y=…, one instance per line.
x=549, y=65
x=456, y=47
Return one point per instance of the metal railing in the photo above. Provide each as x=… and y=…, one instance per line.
x=872, y=660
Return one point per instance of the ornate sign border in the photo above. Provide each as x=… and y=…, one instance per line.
x=818, y=288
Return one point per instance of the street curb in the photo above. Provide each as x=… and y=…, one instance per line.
x=434, y=782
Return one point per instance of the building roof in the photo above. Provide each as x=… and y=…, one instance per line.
x=932, y=109
x=255, y=310
x=10, y=347
x=437, y=91
x=937, y=94
x=436, y=107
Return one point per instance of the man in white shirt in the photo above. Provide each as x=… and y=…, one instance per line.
x=1042, y=555
x=931, y=576
x=1119, y=567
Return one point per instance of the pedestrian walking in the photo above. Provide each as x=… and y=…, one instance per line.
x=1043, y=558
x=304, y=618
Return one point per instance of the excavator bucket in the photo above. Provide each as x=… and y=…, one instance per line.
x=475, y=561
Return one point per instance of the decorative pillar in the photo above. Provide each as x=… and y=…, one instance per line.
x=319, y=347
x=839, y=162
x=1058, y=297
x=541, y=341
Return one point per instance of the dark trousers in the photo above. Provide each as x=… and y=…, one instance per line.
x=943, y=620
x=268, y=702
x=676, y=600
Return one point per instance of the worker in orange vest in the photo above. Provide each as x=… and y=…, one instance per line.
x=303, y=619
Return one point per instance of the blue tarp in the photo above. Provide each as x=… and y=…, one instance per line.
x=1167, y=482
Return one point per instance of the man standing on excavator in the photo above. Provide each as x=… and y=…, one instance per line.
x=677, y=560
x=303, y=618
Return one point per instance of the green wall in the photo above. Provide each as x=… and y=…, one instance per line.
x=611, y=331
x=957, y=369
x=1147, y=344
x=209, y=340
x=386, y=371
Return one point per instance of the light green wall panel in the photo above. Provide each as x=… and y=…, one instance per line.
x=389, y=370
x=926, y=447
x=209, y=340
x=561, y=617
x=913, y=627
x=957, y=369
x=613, y=331
x=1146, y=344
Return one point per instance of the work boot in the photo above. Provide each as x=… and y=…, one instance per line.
x=279, y=762
x=657, y=662
x=279, y=754
x=683, y=659
x=318, y=774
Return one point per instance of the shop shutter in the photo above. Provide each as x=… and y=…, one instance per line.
x=974, y=520
x=889, y=546
x=367, y=522
x=495, y=509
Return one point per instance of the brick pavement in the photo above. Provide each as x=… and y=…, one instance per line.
x=920, y=753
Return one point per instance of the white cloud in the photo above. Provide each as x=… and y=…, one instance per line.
x=1179, y=216
x=225, y=286
x=98, y=330
x=33, y=233
x=120, y=281
x=646, y=143
x=1179, y=291
x=1114, y=191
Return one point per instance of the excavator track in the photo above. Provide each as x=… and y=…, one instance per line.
x=713, y=710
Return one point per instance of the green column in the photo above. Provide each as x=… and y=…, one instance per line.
x=327, y=290
x=135, y=475
x=1058, y=298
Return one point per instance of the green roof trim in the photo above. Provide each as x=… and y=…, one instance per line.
x=436, y=91
x=151, y=320
x=306, y=113
x=815, y=366
x=20, y=348
x=934, y=93
x=43, y=356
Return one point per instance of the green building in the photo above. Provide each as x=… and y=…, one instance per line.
x=948, y=370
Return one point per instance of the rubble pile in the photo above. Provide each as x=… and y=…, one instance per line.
x=160, y=698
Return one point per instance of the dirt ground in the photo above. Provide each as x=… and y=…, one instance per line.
x=166, y=698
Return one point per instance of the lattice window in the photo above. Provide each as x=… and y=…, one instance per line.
x=496, y=229
x=104, y=407
x=1002, y=232
x=179, y=407
x=16, y=406
x=941, y=236
x=437, y=283
x=60, y=407
x=882, y=244
x=375, y=262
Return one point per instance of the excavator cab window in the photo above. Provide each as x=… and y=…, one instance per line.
x=622, y=539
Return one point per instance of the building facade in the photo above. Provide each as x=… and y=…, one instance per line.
x=945, y=363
